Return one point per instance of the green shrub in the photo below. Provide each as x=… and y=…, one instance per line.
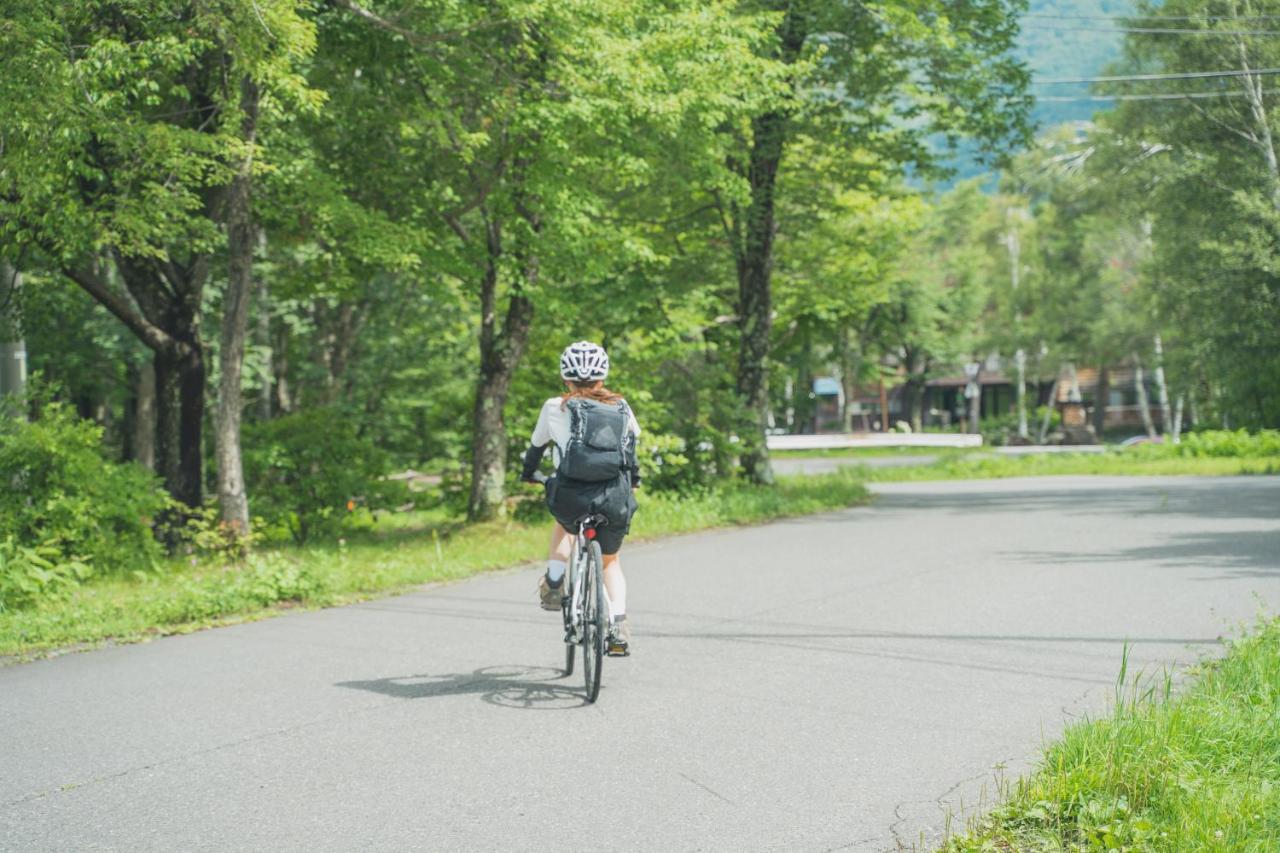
x=1228, y=443
x=307, y=472
x=1003, y=429
x=669, y=464
x=61, y=497
x=205, y=533
x=30, y=574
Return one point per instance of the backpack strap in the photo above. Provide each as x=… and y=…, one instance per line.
x=625, y=438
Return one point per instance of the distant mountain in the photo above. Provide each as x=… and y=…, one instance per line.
x=1069, y=39
x=1060, y=39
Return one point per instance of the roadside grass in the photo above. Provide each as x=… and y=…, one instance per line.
x=397, y=554
x=1116, y=462
x=1195, y=770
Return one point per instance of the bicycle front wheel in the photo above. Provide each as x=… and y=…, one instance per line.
x=568, y=654
x=595, y=620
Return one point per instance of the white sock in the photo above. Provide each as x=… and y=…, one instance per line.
x=555, y=571
x=616, y=585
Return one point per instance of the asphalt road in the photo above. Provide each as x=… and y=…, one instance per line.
x=836, y=682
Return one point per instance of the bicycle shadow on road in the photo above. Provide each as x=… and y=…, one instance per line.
x=515, y=686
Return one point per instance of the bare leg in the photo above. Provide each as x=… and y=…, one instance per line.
x=616, y=585
x=561, y=542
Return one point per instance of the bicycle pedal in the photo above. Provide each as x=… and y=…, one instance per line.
x=618, y=651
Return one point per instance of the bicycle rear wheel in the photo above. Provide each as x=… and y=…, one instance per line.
x=595, y=620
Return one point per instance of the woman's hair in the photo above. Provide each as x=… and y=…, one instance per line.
x=594, y=390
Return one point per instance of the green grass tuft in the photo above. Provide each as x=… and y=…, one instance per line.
x=983, y=465
x=1197, y=771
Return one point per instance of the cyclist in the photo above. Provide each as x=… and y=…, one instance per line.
x=592, y=433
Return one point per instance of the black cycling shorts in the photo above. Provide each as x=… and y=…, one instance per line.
x=569, y=500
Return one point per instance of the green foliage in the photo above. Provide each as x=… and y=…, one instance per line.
x=1207, y=181
x=35, y=573
x=62, y=498
x=307, y=471
x=1197, y=771
x=266, y=580
x=669, y=464
x=1227, y=443
x=1003, y=429
x=206, y=534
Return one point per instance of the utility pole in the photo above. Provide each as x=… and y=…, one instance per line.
x=13, y=348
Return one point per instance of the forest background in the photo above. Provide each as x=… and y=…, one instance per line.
x=274, y=251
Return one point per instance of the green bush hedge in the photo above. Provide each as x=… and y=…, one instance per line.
x=65, y=510
x=307, y=471
x=1227, y=443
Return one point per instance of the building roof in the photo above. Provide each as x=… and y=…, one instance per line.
x=960, y=381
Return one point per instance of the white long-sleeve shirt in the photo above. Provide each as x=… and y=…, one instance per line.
x=553, y=427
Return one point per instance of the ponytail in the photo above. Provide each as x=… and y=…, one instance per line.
x=589, y=391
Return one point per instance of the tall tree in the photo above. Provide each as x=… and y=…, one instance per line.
x=879, y=78
x=126, y=123
x=526, y=122
x=1213, y=187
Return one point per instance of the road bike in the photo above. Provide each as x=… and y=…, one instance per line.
x=585, y=605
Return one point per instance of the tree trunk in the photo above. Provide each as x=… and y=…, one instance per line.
x=1144, y=404
x=341, y=326
x=144, y=416
x=915, y=402
x=13, y=347
x=1177, y=421
x=1162, y=387
x=1261, y=136
x=755, y=265
x=848, y=378
x=1043, y=435
x=1101, y=394
x=264, y=341
x=755, y=296
x=232, y=501
x=167, y=320
x=1020, y=361
x=805, y=400
x=500, y=354
x=280, y=372
x=180, y=380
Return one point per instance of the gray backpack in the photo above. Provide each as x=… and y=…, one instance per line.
x=598, y=441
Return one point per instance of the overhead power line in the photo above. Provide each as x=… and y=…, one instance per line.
x=1154, y=30
x=1133, y=78
x=1121, y=19
x=1164, y=96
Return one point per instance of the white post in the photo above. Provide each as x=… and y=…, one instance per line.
x=13, y=348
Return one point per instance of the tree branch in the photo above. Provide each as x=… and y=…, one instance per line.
x=457, y=227
x=413, y=37
x=153, y=336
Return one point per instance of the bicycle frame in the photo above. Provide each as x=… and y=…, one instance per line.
x=577, y=556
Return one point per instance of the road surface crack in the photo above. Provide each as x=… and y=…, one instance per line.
x=713, y=792
x=900, y=843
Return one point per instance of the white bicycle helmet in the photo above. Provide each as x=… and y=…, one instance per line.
x=584, y=362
